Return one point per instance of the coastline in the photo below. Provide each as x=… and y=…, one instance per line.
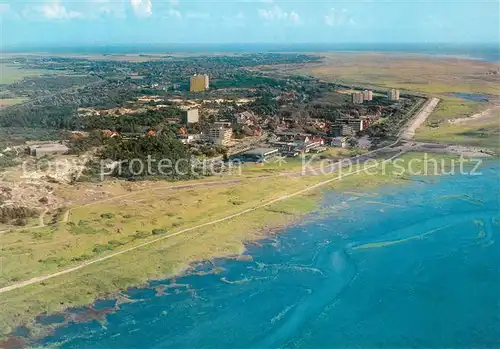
x=487, y=51
x=45, y=323
x=259, y=227
x=41, y=326
x=214, y=269
x=260, y=224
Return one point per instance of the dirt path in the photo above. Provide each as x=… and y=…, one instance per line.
x=67, y=214
x=273, y=201
x=412, y=125
x=41, y=219
x=314, y=172
x=409, y=131
x=41, y=223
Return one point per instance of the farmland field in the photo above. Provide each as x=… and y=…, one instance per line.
x=10, y=73
x=5, y=102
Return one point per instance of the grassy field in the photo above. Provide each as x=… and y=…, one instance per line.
x=433, y=76
x=5, y=102
x=97, y=230
x=408, y=72
x=453, y=108
x=486, y=134
x=96, y=57
x=483, y=132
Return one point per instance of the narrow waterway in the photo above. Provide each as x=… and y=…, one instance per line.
x=416, y=267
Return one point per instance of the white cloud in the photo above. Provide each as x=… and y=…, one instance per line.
x=336, y=18
x=55, y=10
x=273, y=13
x=70, y=9
x=4, y=8
x=276, y=13
x=174, y=13
x=142, y=8
x=174, y=2
x=294, y=17
x=98, y=8
x=234, y=20
x=329, y=20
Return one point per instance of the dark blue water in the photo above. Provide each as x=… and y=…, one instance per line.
x=487, y=52
x=413, y=267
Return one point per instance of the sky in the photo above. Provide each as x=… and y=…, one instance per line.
x=98, y=22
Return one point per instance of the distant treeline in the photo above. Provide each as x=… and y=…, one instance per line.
x=59, y=111
x=130, y=122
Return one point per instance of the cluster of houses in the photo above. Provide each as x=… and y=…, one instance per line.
x=287, y=139
x=295, y=143
x=291, y=144
x=219, y=133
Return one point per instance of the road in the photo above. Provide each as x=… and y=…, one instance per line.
x=408, y=132
x=67, y=214
x=167, y=187
x=226, y=218
x=413, y=124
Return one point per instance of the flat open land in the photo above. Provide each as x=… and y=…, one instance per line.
x=443, y=77
x=10, y=73
x=481, y=129
x=430, y=75
x=132, y=57
x=97, y=239
x=5, y=102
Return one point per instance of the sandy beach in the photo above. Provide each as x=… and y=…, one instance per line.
x=488, y=115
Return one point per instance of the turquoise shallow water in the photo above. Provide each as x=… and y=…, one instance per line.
x=409, y=267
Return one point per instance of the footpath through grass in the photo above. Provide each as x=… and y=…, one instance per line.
x=98, y=230
x=450, y=108
x=481, y=132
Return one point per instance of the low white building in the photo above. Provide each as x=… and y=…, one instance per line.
x=340, y=142
x=40, y=150
x=187, y=139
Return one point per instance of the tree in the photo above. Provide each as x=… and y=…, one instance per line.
x=158, y=156
x=353, y=142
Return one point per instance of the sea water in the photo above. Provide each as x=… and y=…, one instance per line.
x=414, y=266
